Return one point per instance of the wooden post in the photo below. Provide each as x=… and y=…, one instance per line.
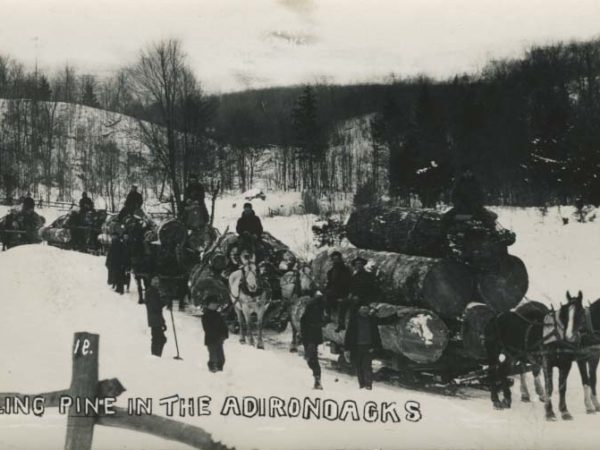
x=84, y=384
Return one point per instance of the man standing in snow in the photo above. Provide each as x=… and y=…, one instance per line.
x=117, y=262
x=156, y=321
x=215, y=333
x=28, y=203
x=338, y=282
x=311, y=335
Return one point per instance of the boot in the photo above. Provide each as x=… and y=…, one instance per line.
x=318, y=385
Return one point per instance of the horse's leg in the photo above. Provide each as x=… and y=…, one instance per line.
x=548, y=379
x=294, y=343
x=593, y=365
x=241, y=322
x=582, y=364
x=138, y=282
x=536, y=370
x=260, y=313
x=525, y=397
x=505, y=367
x=564, y=368
x=248, y=317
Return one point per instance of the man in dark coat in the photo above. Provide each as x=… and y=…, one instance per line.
x=311, y=334
x=133, y=202
x=338, y=284
x=85, y=203
x=117, y=262
x=28, y=203
x=193, y=197
x=156, y=321
x=215, y=333
x=249, y=222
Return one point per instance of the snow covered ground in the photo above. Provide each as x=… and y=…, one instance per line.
x=48, y=294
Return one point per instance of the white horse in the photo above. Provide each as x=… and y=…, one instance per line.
x=295, y=284
x=250, y=293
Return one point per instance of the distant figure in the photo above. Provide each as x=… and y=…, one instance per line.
x=312, y=335
x=117, y=263
x=215, y=333
x=40, y=203
x=249, y=222
x=133, y=202
x=156, y=321
x=467, y=194
x=337, y=289
x=28, y=203
x=85, y=203
x=194, y=195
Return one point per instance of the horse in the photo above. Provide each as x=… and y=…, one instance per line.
x=140, y=234
x=296, y=283
x=545, y=339
x=588, y=364
x=250, y=292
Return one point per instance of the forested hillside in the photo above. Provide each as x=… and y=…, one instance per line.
x=528, y=127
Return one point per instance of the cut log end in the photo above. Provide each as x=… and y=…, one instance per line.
x=504, y=287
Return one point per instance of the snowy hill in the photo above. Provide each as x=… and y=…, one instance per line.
x=49, y=294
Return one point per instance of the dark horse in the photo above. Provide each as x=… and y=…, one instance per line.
x=588, y=364
x=538, y=336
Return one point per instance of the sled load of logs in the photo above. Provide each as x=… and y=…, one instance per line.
x=20, y=227
x=74, y=225
x=444, y=274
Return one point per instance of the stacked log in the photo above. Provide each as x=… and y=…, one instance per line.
x=443, y=286
x=503, y=286
x=203, y=282
x=418, y=334
x=171, y=233
x=475, y=319
x=21, y=227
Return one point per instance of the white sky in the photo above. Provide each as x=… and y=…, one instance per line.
x=236, y=44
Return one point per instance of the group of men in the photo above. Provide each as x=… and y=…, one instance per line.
x=348, y=294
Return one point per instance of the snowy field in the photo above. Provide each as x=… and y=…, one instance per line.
x=48, y=294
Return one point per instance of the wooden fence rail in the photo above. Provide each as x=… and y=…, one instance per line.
x=85, y=386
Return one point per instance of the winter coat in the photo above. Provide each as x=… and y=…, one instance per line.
x=133, y=201
x=117, y=258
x=352, y=332
x=154, y=307
x=249, y=222
x=194, y=192
x=363, y=286
x=467, y=195
x=311, y=323
x=28, y=203
x=215, y=328
x=338, y=281
x=86, y=204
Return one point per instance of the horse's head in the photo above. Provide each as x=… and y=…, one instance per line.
x=572, y=316
x=251, y=277
x=307, y=282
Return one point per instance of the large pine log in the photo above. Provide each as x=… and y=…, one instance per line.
x=471, y=238
x=203, y=282
x=442, y=286
x=475, y=319
x=418, y=232
x=418, y=334
x=503, y=286
x=171, y=232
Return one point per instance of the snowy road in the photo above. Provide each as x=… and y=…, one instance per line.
x=48, y=294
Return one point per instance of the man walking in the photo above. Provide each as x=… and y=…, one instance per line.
x=156, y=321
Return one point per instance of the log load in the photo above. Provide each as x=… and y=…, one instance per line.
x=503, y=286
x=475, y=318
x=204, y=282
x=476, y=238
x=171, y=232
x=443, y=286
x=20, y=227
x=271, y=248
x=418, y=334
x=419, y=232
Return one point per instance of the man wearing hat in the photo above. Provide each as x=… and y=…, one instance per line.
x=133, y=202
x=194, y=194
x=337, y=288
x=85, y=203
x=215, y=333
x=249, y=223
